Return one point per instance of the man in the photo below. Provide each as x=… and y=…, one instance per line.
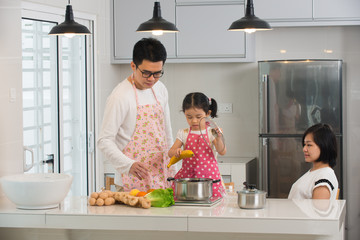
x=136, y=131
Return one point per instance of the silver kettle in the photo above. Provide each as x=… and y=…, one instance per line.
x=251, y=198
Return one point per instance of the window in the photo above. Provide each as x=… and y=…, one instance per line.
x=57, y=100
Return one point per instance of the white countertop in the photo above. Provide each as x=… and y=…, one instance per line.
x=280, y=216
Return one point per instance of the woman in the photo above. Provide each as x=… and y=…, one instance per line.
x=319, y=147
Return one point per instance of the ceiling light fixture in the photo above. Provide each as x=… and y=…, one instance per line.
x=69, y=28
x=250, y=23
x=157, y=25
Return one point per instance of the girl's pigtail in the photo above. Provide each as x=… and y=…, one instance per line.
x=213, y=107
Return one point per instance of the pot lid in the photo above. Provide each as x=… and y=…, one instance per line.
x=250, y=189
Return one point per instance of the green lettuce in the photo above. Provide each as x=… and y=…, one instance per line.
x=161, y=197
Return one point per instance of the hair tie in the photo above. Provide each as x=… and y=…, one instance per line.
x=209, y=101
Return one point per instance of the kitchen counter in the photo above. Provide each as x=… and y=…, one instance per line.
x=280, y=219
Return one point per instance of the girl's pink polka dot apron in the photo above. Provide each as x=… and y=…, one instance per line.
x=203, y=164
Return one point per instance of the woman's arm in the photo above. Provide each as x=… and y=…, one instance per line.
x=321, y=192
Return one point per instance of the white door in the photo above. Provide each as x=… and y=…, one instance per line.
x=57, y=100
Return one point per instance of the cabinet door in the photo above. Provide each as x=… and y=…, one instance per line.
x=337, y=9
x=126, y=18
x=204, y=31
x=283, y=9
x=188, y=2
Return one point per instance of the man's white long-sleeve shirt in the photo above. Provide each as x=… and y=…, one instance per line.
x=119, y=122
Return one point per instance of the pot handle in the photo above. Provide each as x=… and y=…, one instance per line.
x=217, y=180
x=170, y=179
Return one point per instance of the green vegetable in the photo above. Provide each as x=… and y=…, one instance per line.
x=161, y=197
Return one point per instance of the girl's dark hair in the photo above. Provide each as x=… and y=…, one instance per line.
x=325, y=138
x=201, y=101
x=150, y=49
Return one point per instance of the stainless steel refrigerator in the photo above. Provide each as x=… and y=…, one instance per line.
x=294, y=95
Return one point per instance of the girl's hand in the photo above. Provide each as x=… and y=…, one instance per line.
x=174, y=150
x=219, y=134
x=178, y=152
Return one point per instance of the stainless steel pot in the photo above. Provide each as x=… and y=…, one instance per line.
x=193, y=189
x=251, y=198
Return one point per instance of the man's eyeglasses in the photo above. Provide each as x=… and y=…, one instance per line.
x=147, y=74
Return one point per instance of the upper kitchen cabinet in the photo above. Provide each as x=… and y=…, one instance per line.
x=126, y=16
x=203, y=25
x=337, y=10
x=283, y=10
x=203, y=35
x=206, y=1
x=292, y=13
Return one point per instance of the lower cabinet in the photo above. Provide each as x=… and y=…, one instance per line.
x=238, y=171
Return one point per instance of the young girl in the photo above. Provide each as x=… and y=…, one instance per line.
x=201, y=140
x=319, y=147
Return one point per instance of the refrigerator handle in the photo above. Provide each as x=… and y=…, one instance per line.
x=265, y=91
x=265, y=143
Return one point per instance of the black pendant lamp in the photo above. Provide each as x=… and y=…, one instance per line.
x=69, y=28
x=250, y=23
x=157, y=25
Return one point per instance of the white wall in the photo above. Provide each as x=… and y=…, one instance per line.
x=11, y=138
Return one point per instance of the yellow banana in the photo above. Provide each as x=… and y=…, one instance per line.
x=183, y=154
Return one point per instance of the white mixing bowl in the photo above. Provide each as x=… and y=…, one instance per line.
x=36, y=190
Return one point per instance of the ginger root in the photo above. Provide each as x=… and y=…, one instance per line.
x=127, y=199
x=107, y=198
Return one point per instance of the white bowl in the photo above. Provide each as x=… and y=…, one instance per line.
x=36, y=190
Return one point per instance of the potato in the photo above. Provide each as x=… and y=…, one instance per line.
x=110, y=193
x=103, y=195
x=100, y=202
x=108, y=201
x=94, y=195
x=92, y=201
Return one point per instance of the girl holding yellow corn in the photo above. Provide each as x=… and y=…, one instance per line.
x=200, y=140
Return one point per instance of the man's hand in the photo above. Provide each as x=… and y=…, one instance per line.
x=139, y=170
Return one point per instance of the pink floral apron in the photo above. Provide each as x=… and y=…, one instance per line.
x=203, y=164
x=148, y=145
